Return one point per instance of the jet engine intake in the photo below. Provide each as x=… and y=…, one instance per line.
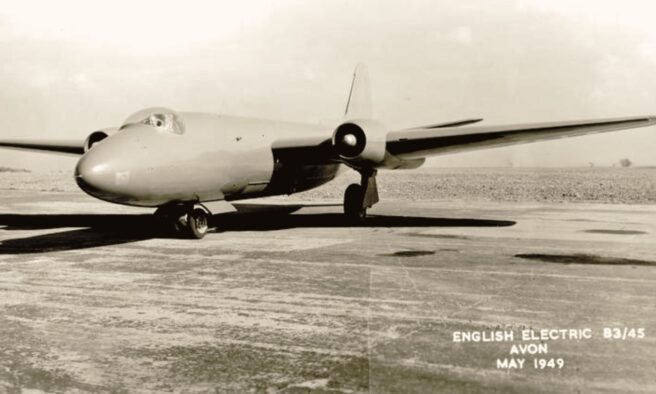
x=360, y=142
x=98, y=136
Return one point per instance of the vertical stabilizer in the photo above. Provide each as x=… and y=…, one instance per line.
x=359, y=100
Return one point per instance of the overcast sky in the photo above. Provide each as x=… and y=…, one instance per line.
x=69, y=68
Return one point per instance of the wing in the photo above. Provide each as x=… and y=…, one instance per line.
x=417, y=143
x=422, y=142
x=303, y=151
x=69, y=147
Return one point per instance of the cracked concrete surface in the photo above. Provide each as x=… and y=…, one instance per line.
x=92, y=302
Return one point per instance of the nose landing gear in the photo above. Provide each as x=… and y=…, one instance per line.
x=358, y=198
x=186, y=220
x=197, y=223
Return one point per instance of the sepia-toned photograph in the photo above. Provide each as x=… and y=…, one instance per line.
x=350, y=196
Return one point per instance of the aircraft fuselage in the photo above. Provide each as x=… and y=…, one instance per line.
x=215, y=158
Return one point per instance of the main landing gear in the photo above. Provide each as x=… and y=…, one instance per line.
x=187, y=220
x=358, y=198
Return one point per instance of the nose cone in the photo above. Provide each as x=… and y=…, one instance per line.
x=98, y=177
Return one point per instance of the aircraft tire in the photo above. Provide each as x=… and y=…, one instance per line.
x=197, y=223
x=353, y=198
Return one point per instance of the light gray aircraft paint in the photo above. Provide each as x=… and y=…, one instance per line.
x=177, y=161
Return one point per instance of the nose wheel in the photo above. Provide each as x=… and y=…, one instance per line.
x=185, y=221
x=197, y=223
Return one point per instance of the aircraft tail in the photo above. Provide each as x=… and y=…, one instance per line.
x=359, y=100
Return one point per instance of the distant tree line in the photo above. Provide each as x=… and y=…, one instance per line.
x=626, y=163
x=9, y=169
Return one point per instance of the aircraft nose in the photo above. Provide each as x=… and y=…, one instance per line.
x=97, y=177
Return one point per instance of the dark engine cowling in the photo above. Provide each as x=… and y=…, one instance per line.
x=98, y=136
x=360, y=142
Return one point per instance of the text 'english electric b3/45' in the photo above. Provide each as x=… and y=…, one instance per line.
x=177, y=161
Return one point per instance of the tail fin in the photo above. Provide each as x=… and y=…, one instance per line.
x=359, y=100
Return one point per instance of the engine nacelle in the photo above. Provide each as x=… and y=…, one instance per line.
x=98, y=136
x=360, y=141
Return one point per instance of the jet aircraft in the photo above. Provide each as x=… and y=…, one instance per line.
x=180, y=162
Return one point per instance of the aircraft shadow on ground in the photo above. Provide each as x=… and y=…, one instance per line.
x=79, y=231
x=88, y=231
x=267, y=222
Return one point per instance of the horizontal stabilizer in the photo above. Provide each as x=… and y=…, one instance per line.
x=456, y=123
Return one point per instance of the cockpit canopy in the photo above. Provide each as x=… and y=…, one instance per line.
x=162, y=119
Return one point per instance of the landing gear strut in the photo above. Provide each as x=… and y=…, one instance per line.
x=187, y=220
x=357, y=198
